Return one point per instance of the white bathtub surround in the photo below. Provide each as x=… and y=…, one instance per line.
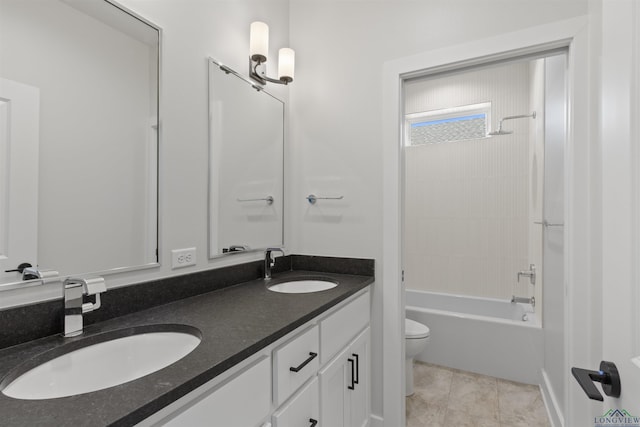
x=481, y=335
x=467, y=202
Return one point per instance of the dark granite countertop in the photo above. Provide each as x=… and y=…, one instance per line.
x=235, y=323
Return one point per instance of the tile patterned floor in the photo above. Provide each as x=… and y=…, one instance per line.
x=449, y=397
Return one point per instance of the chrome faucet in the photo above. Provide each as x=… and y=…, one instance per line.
x=531, y=274
x=74, y=292
x=269, y=262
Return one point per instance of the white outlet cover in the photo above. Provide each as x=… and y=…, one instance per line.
x=183, y=257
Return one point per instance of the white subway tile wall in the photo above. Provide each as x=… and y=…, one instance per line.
x=466, y=202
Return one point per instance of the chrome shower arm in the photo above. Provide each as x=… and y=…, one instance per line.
x=519, y=116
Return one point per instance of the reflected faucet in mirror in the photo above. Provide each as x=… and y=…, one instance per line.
x=30, y=273
x=74, y=306
x=270, y=262
x=236, y=248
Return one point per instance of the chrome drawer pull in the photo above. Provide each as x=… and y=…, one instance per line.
x=312, y=356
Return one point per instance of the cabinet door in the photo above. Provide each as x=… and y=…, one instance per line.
x=344, y=386
x=243, y=401
x=333, y=392
x=358, y=379
x=337, y=330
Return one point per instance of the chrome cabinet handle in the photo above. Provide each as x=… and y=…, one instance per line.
x=312, y=356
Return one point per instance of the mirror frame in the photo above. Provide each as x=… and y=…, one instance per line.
x=212, y=64
x=21, y=284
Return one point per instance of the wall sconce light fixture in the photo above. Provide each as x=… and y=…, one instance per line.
x=258, y=50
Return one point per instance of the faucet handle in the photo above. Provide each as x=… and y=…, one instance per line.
x=275, y=249
x=95, y=285
x=90, y=286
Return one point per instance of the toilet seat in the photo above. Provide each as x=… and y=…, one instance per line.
x=415, y=330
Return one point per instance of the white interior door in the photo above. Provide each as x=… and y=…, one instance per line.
x=619, y=341
x=19, y=139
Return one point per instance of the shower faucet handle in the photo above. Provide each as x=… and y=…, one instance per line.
x=531, y=274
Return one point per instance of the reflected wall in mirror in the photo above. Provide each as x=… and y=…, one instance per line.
x=85, y=191
x=246, y=166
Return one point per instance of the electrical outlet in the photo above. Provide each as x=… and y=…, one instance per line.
x=183, y=257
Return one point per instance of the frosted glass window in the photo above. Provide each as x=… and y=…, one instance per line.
x=453, y=124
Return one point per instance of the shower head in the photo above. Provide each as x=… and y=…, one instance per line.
x=500, y=131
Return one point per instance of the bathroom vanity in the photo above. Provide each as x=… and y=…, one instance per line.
x=319, y=373
x=240, y=373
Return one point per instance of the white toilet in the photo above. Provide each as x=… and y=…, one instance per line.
x=416, y=337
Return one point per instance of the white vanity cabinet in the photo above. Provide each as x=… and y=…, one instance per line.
x=317, y=376
x=243, y=401
x=345, y=379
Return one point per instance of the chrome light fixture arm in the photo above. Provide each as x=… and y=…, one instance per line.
x=261, y=77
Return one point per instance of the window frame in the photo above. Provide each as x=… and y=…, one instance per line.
x=447, y=114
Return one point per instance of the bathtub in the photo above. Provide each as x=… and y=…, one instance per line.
x=483, y=335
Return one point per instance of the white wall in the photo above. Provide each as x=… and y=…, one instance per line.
x=193, y=31
x=336, y=142
x=467, y=202
x=536, y=187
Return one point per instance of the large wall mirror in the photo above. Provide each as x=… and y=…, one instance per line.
x=78, y=137
x=246, y=146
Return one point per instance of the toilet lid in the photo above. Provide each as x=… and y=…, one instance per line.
x=413, y=329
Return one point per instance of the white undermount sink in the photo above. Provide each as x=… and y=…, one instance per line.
x=103, y=364
x=302, y=286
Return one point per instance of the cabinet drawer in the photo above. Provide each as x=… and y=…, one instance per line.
x=243, y=401
x=337, y=330
x=302, y=410
x=294, y=363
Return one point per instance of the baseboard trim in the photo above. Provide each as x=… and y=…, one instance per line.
x=376, y=421
x=550, y=402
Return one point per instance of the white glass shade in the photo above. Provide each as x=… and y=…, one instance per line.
x=259, y=41
x=286, y=63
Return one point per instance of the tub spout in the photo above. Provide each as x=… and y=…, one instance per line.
x=525, y=300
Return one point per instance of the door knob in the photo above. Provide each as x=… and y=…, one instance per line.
x=607, y=375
